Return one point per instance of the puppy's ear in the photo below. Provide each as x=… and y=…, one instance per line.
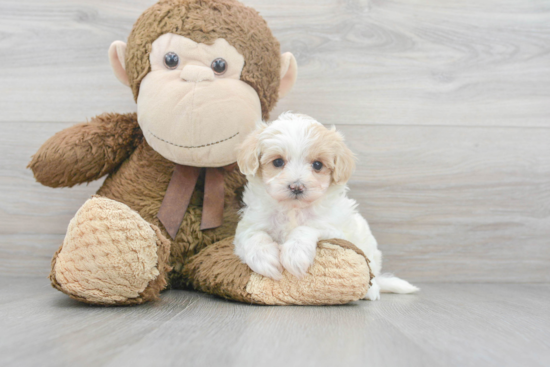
x=344, y=162
x=248, y=153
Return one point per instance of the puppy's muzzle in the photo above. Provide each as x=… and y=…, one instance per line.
x=296, y=188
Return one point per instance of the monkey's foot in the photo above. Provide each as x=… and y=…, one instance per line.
x=339, y=274
x=111, y=256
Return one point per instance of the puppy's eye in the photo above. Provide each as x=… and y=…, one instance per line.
x=279, y=162
x=219, y=66
x=171, y=60
x=317, y=165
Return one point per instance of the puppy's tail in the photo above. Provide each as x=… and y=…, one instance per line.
x=392, y=284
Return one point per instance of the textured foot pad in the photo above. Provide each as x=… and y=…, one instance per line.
x=110, y=256
x=340, y=274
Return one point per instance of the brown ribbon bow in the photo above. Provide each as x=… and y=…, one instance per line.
x=179, y=192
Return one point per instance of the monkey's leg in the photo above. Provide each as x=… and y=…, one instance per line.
x=111, y=256
x=339, y=274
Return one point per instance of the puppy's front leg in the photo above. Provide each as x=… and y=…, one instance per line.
x=260, y=253
x=298, y=252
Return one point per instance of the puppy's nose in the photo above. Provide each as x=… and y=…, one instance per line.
x=296, y=188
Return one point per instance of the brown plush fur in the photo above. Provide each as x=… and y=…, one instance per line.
x=216, y=270
x=140, y=181
x=204, y=21
x=85, y=152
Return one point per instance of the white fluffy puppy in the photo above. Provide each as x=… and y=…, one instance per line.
x=296, y=195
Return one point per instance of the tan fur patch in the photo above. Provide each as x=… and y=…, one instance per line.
x=109, y=253
x=339, y=275
x=329, y=148
x=267, y=170
x=324, y=146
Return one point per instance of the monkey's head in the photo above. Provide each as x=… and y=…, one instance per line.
x=203, y=73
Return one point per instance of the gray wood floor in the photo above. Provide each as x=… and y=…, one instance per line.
x=444, y=325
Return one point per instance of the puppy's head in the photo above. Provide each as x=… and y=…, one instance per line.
x=296, y=157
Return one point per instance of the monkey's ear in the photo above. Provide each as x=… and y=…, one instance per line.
x=117, y=52
x=289, y=72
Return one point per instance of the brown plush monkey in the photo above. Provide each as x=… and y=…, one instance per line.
x=202, y=72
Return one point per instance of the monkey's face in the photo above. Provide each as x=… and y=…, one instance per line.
x=192, y=106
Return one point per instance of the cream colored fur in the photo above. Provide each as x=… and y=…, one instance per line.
x=109, y=253
x=188, y=114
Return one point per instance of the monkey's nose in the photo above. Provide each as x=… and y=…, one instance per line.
x=196, y=73
x=296, y=188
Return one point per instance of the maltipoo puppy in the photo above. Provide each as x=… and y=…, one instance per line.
x=297, y=171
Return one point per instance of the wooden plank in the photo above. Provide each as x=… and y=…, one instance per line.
x=459, y=62
x=444, y=325
x=477, y=324
x=68, y=333
x=28, y=255
x=446, y=203
x=456, y=204
x=52, y=208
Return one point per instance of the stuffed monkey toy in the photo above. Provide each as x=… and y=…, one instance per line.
x=203, y=73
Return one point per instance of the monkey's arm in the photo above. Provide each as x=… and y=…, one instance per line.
x=86, y=151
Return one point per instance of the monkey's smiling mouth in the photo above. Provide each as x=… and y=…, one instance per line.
x=192, y=146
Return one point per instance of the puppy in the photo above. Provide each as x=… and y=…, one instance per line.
x=296, y=195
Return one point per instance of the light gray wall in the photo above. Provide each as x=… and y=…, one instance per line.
x=446, y=103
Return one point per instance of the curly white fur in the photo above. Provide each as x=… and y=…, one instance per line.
x=290, y=207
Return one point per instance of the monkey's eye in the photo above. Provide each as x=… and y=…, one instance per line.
x=171, y=60
x=317, y=165
x=279, y=162
x=219, y=66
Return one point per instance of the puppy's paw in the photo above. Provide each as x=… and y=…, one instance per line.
x=373, y=294
x=297, y=256
x=263, y=258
